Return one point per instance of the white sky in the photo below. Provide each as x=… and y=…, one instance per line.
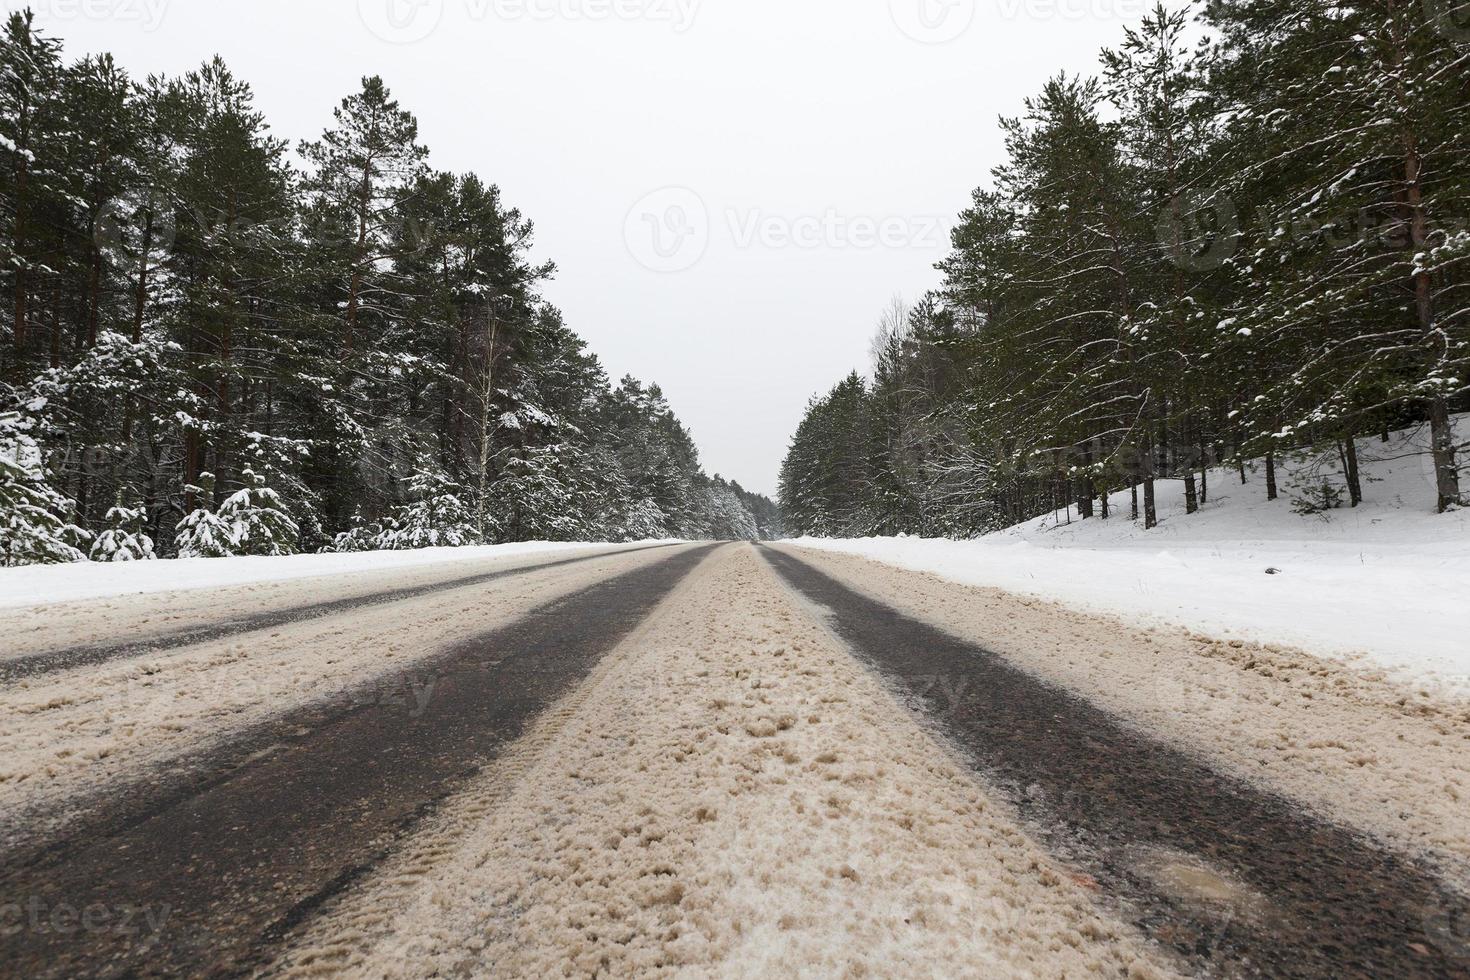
x=820, y=149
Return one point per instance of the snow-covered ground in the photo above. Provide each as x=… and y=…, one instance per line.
x=1386, y=584
x=36, y=584
x=728, y=795
x=69, y=734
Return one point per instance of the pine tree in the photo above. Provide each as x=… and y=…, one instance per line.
x=202, y=533
x=436, y=515
x=211, y=311
x=30, y=86
x=258, y=520
x=364, y=168
x=124, y=539
x=35, y=520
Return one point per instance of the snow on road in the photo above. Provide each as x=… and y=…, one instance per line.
x=37, y=584
x=730, y=794
x=72, y=733
x=1386, y=584
x=1351, y=746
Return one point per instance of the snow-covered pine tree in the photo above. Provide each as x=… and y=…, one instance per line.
x=363, y=168
x=30, y=120
x=435, y=516
x=125, y=537
x=730, y=520
x=537, y=497
x=202, y=534
x=361, y=536
x=258, y=520
x=180, y=294
x=35, y=520
x=1155, y=83
x=1347, y=132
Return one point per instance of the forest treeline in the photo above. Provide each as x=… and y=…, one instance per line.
x=220, y=344
x=1214, y=252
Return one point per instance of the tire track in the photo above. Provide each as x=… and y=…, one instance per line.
x=217, y=874
x=1233, y=879
x=46, y=662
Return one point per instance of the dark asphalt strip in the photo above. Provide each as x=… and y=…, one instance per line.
x=47, y=662
x=1110, y=800
x=208, y=882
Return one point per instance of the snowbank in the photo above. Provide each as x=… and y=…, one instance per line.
x=1387, y=583
x=37, y=584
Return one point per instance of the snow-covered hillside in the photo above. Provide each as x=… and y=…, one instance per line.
x=1387, y=583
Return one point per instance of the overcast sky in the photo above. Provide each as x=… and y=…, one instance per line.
x=732, y=189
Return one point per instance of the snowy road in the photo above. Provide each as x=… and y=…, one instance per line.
x=711, y=761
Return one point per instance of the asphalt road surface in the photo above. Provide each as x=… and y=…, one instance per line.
x=221, y=792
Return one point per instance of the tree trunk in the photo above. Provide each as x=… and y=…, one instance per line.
x=487, y=397
x=364, y=203
x=1135, y=502
x=1350, y=470
x=1272, y=492
x=1446, y=476
x=22, y=181
x=56, y=326
x=94, y=296
x=192, y=468
x=1204, y=472
x=140, y=300
x=1442, y=443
